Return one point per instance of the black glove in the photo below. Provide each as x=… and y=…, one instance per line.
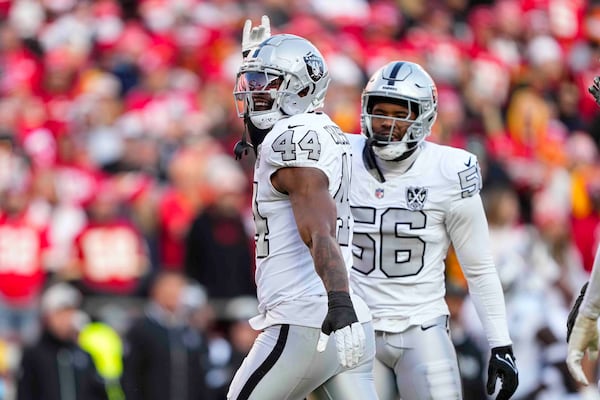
x=575, y=310
x=502, y=365
x=595, y=89
x=340, y=313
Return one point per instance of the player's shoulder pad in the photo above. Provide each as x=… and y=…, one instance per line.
x=462, y=168
x=302, y=140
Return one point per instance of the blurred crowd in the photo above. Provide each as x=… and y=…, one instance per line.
x=117, y=182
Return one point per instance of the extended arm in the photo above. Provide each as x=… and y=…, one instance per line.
x=315, y=214
x=468, y=229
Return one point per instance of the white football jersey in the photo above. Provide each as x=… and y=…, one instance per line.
x=288, y=287
x=400, y=235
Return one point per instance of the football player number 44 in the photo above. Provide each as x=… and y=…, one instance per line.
x=284, y=144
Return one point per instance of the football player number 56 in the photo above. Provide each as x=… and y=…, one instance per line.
x=398, y=255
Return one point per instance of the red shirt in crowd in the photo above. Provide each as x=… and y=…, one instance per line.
x=22, y=272
x=112, y=257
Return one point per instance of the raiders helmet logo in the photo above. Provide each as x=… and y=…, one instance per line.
x=314, y=66
x=415, y=198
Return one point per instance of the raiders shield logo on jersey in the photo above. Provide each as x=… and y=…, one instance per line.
x=314, y=66
x=415, y=197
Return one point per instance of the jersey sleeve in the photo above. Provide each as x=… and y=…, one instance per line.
x=468, y=230
x=467, y=226
x=462, y=169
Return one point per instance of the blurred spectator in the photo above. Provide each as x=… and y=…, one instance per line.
x=230, y=344
x=529, y=277
x=585, y=195
x=56, y=367
x=111, y=257
x=586, y=229
x=163, y=354
x=182, y=200
x=22, y=71
x=76, y=177
x=217, y=247
x=22, y=266
x=62, y=220
x=471, y=358
x=565, y=271
x=141, y=91
x=14, y=167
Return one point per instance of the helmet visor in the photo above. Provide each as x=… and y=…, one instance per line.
x=252, y=81
x=256, y=91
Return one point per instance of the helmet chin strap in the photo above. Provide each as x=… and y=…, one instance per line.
x=241, y=147
x=256, y=135
x=370, y=162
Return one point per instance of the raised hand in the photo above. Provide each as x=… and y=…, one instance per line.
x=253, y=36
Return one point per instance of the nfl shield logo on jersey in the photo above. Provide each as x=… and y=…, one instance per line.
x=415, y=197
x=379, y=193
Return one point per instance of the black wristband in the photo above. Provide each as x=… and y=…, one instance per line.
x=340, y=312
x=339, y=299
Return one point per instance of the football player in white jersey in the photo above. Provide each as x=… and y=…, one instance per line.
x=303, y=231
x=582, y=323
x=411, y=199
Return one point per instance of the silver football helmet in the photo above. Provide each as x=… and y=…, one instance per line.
x=284, y=75
x=404, y=83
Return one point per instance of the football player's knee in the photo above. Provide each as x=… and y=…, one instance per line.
x=442, y=380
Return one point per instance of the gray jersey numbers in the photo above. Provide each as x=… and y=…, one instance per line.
x=399, y=255
x=343, y=204
x=284, y=144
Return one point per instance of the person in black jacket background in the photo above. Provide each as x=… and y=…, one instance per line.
x=55, y=367
x=164, y=357
x=218, y=251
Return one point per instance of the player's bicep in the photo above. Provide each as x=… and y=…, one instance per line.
x=312, y=204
